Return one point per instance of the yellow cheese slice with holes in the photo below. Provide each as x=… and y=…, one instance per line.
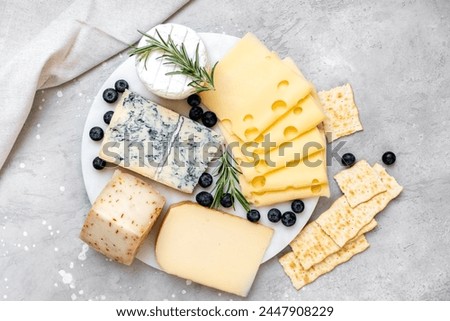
x=310, y=171
x=305, y=145
x=274, y=197
x=252, y=88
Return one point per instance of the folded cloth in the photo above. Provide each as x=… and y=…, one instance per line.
x=84, y=35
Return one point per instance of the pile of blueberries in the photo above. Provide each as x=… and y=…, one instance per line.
x=110, y=95
x=208, y=118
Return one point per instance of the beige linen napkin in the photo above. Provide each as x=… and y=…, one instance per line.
x=85, y=34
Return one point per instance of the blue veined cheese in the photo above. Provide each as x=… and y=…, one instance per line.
x=158, y=143
x=152, y=71
x=194, y=146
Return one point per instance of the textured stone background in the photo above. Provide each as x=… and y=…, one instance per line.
x=396, y=56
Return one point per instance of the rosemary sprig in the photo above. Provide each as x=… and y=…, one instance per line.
x=228, y=181
x=202, y=79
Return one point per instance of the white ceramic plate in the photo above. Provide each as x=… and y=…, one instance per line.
x=217, y=45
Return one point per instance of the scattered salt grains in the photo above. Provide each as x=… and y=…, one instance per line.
x=56, y=285
x=57, y=231
x=62, y=188
x=183, y=291
x=59, y=93
x=34, y=245
x=40, y=107
x=26, y=248
x=81, y=292
x=51, y=233
x=22, y=165
x=73, y=296
x=102, y=297
x=219, y=294
x=80, y=94
x=5, y=279
x=43, y=99
x=25, y=233
x=38, y=125
x=71, y=265
x=173, y=295
x=188, y=282
x=82, y=255
x=44, y=222
x=38, y=136
x=5, y=296
x=56, y=249
x=49, y=227
x=66, y=277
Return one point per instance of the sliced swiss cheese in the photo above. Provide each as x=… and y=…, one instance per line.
x=252, y=88
x=310, y=171
x=288, y=194
x=212, y=248
x=303, y=146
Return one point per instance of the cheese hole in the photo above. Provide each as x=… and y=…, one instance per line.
x=315, y=189
x=248, y=117
x=259, y=182
x=226, y=123
x=298, y=110
x=268, y=57
x=290, y=132
x=251, y=133
x=262, y=165
x=279, y=105
x=283, y=84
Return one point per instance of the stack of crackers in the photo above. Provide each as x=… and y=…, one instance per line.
x=338, y=234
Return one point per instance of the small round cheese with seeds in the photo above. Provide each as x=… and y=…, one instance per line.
x=153, y=70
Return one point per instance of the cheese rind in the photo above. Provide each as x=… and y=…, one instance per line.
x=158, y=143
x=152, y=71
x=121, y=217
x=252, y=88
x=210, y=247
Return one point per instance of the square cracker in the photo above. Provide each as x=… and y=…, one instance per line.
x=359, y=183
x=301, y=277
x=342, y=118
x=312, y=245
x=342, y=222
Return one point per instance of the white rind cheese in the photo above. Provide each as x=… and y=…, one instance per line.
x=212, y=248
x=121, y=217
x=152, y=71
x=158, y=143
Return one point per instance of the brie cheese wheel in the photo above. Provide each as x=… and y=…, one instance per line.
x=153, y=70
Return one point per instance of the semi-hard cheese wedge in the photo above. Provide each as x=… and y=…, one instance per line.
x=210, y=247
x=310, y=171
x=153, y=71
x=158, y=143
x=252, y=88
x=122, y=216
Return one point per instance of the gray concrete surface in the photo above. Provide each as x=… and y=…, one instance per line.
x=396, y=56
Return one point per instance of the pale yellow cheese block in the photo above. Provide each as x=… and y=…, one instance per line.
x=301, y=277
x=310, y=171
x=212, y=248
x=305, y=145
x=252, y=88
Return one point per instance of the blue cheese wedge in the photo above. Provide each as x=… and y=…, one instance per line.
x=158, y=143
x=122, y=216
x=153, y=70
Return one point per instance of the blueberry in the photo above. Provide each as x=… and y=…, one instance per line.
x=227, y=200
x=194, y=100
x=288, y=219
x=96, y=133
x=204, y=199
x=121, y=85
x=110, y=95
x=389, y=158
x=108, y=116
x=205, y=180
x=196, y=113
x=98, y=163
x=298, y=206
x=348, y=159
x=209, y=119
x=274, y=215
x=253, y=216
